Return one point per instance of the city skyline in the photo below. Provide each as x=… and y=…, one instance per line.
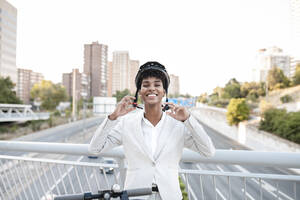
x=205, y=43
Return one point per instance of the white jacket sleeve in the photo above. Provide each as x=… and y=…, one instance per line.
x=197, y=139
x=107, y=136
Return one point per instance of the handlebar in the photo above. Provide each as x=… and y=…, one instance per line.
x=106, y=194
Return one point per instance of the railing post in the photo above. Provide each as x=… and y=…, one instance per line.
x=123, y=170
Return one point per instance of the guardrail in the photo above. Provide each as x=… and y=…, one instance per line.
x=23, y=171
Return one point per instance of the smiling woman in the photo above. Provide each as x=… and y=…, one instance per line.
x=153, y=140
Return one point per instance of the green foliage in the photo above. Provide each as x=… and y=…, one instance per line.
x=277, y=79
x=120, y=94
x=232, y=89
x=36, y=125
x=296, y=77
x=50, y=94
x=286, y=99
x=182, y=188
x=7, y=93
x=237, y=111
x=281, y=123
x=264, y=106
x=252, y=90
x=203, y=98
x=221, y=103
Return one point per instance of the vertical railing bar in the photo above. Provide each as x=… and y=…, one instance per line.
x=62, y=179
x=4, y=189
x=55, y=183
x=215, y=186
x=47, y=180
x=15, y=179
x=76, y=172
x=9, y=185
x=105, y=177
x=245, y=189
x=20, y=181
x=32, y=179
x=201, y=185
x=89, y=185
x=229, y=187
x=96, y=177
x=260, y=183
x=277, y=189
x=30, y=190
x=36, y=171
x=295, y=190
x=115, y=176
x=188, y=186
x=68, y=174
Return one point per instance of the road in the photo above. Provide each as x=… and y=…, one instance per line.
x=75, y=134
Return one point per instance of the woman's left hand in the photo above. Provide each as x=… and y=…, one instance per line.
x=178, y=112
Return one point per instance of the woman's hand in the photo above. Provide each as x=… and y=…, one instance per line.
x=178, y=112
x=123, y=107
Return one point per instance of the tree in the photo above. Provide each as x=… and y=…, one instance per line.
x=50, y=94
x=120, y=94
x=296, y=77
x=203, y=98
x=277, y=79
x=252, y=90
x=7, y=93
x=237, y=111
x=232, y=89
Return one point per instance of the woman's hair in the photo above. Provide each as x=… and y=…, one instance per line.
x=152, y=73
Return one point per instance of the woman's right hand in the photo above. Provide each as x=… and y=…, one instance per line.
x=123, y=107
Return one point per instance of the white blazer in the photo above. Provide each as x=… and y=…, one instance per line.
x=142, y=166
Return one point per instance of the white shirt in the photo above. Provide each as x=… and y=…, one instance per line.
x=151, y=133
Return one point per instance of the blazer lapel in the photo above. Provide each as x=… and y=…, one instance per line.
x=140, y=138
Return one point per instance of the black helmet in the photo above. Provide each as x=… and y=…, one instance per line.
x=152, y=66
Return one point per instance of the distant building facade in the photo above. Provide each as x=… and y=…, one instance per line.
x=124, y=71
x=120, y=71
x=8, y=35
x=174, y=85
x=95, y=67
x=134, y=67
x=268, y=59
x=109, y=79
x=81, y=84
x=26, y=80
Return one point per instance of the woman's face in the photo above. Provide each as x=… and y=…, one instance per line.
x=152, y=90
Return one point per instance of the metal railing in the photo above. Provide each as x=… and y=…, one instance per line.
x=18, y=112
x=27, y=176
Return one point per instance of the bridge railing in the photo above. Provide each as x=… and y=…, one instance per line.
x=61, y=175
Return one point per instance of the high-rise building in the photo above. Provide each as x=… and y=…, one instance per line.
x=95, y=67
x=8, y=35
x=81, y=83
x=268, y=59
x=295, y=27
x=134, y=67
x=174, y=85
x=26, y=80
x=124, y=71
x=109, y=79
x=120, y=71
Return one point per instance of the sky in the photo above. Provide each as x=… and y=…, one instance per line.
x=205, y=43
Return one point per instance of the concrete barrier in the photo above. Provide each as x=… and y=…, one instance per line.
x=246, y=133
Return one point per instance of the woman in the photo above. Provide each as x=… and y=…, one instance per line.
x=153, y=140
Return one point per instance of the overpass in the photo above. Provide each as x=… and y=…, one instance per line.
x=19, y=113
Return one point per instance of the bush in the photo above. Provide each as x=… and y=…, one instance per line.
x=237, y=111
x=286, y=99
x=182, y=188
x=36, y=125
x=281, y=123
x=264, y=106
